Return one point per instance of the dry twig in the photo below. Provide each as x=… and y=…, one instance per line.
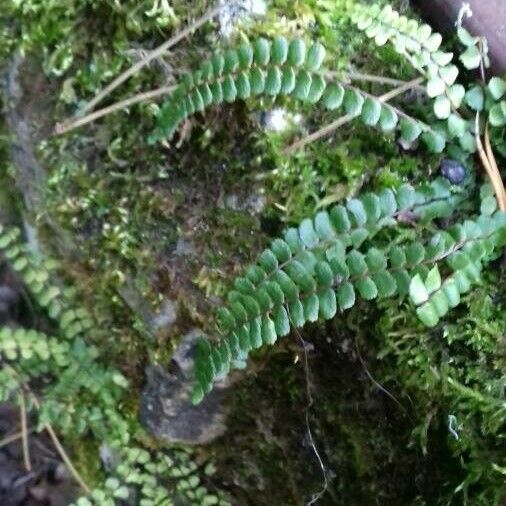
x=7, y=440
x=67, y=126
x=61, y=451
x=151, y=56
x=72, y=124
x=489, y=163
x=24, y=432
x=52, y=435
x=326, y=130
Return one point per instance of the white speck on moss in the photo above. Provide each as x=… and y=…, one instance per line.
x=279, y=120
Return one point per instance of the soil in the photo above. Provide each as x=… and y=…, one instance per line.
x=46, y=484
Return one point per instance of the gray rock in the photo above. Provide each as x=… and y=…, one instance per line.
x=109, y=457
x=254, y=202
x=184, y=247
x=166, y=409
x=232, y=202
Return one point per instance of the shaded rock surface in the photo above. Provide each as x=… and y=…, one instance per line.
x=166, y=409
x=488, y=19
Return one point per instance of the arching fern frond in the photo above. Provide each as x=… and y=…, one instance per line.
x=319, y=269
x=475, y=243
x=268, y=68
x=421, y=46
x=36, y=273
x=281, y=68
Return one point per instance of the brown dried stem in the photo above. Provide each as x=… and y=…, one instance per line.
x=328, y=129
x=24, y=432
x=152, y=55
x=489, y=163
x=67, y=126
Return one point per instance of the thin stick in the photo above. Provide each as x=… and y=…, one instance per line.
x=11, y=439
x=358, y=76
x=323, y=132
x=488, y=161
x=61, y=451
x=401, y=89
x=24, y=432
x=69, y=125
x=151, y=56
x=498, y=183
x=66, y=459
x=53, y=436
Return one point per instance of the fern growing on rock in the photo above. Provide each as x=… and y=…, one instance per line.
x=36, y=272
x=330, y=261
x=65, y=355
x=152, y=475
x=363, y=249
x=293, y=69
x=84, y=395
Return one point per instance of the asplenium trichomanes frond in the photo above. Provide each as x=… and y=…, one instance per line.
x=282, y=68
x=325, y=264
x=84, y=395
x=320, y=267
x=64, y=355
x=453, y=103
x=292, y=69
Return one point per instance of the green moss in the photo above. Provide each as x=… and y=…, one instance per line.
x=454, y=377
x=316, y=177
x=126, y=206
x=84, y=455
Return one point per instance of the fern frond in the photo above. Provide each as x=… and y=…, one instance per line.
x=281, y=68
x=33, y=351
x=317, y=288
x=86, y=393
x=476, y=241
x=37, y=274
x=421, y=46
x=318, y=268
x=160, y=479
x=415, y=41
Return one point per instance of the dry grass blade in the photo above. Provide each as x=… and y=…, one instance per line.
x=328, y=129
x=151, y=56
x=24, y=432
x=490, y=164
x=499, y=185
x=61, y=451
x=52, y=435
x=7, y=440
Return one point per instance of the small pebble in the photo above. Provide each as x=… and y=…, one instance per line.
x=453, y=171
